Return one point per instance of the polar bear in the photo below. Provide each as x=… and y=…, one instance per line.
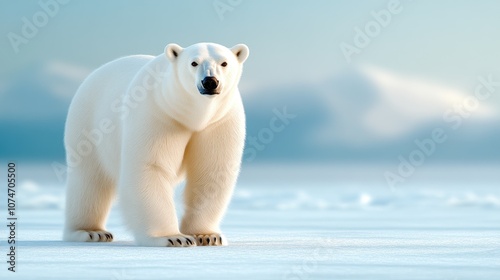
x=139, y=125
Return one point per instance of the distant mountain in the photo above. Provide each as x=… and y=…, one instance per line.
x=42, y=91
x=33, y=108
x=360, y=114
x=370, y=114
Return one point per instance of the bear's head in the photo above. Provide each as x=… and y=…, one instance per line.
x=207, y=69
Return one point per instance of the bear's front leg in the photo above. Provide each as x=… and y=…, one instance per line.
x=150, y=171
x=213, y=158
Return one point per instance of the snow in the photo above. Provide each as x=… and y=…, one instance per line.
x=291, y=230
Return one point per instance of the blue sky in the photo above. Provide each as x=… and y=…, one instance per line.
x=450, y=41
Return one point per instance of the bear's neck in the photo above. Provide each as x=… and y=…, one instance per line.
x=194, y=112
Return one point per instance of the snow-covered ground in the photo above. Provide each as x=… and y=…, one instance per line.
x=291, y=228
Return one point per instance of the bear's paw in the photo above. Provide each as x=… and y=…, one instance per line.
x=211, y=239
x=180, y=241
x=89, y=236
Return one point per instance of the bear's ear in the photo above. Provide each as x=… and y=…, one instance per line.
x=241, y=52
x=172, y=51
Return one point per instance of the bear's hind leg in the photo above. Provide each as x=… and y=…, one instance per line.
x=89, y=196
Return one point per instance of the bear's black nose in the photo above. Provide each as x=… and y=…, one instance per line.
x=209, y=83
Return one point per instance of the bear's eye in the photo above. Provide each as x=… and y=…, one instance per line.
x=194, y=64
x=224, y=64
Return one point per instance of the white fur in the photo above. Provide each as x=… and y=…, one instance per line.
x=149, y=129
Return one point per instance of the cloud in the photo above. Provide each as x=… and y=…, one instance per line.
x=370, y=104
x=62, y=79
x=40, y=91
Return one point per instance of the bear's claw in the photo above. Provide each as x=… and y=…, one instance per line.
x=180, y=241
x=89, y=236
x=212, y=239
